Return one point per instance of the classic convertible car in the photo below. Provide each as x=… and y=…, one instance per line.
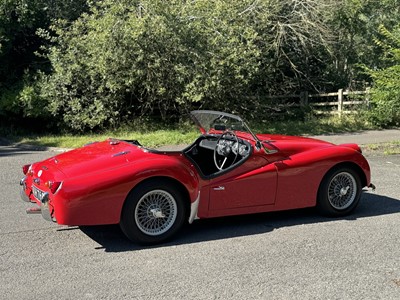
x=228, y=170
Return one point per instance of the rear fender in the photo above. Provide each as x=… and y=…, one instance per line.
x=99, y=200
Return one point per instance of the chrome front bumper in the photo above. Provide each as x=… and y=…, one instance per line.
x=43, y=207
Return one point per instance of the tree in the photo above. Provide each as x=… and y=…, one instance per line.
x=356, y=24
x=107, y=62
x=386, y=89
x=19, y=22
x=296, y=41
x=137, y=57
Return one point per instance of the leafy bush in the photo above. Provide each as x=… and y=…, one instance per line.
x=136, y=57
x=102, y=63
x=19, y=22
x=385, y=109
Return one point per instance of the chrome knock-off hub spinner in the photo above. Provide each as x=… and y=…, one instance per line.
x=157, y=213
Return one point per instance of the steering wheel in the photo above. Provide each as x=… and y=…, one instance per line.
x=224, y=148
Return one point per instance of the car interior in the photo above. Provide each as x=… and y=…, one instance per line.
x=214, y=154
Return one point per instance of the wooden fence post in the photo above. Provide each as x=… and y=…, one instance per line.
x=340, y=101
x=304, y=98
x=367, y=96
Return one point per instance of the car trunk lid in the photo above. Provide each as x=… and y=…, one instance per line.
x=95, y=157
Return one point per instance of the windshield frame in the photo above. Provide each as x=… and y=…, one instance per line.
x=209, y=116
x=220, y=115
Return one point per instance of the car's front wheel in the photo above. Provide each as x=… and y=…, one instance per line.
x=152, y=213
x=339, y=192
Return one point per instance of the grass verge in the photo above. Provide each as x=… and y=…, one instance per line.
x=389, y=148
x=155, y=135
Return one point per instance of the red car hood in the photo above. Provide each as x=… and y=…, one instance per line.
x=292, y=144
x=95, y=157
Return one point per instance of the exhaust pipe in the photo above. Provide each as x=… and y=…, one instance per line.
x=34, y=210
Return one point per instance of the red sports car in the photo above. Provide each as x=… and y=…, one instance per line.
x=228, y=170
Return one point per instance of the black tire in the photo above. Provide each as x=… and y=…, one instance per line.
x=339, y=192
x=153, y=212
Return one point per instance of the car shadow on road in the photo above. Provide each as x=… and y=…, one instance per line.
x=111, y=239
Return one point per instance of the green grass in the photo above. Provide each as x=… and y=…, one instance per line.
x=389, y=148
x=155, y=135
x=150, y=139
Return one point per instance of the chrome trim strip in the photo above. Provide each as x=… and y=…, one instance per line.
x=59, y=187
x=121, y=153
x=194, y=207
x=219, y=188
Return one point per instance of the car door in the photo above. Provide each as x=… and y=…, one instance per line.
x=251, y=184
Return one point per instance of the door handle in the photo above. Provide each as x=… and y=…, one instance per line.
x=219, y=188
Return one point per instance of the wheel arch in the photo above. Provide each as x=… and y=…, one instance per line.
x=324, y=204
x=356, y=168
x=168, y=180
x=347, y=164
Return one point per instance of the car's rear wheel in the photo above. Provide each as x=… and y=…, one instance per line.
x=153, y=212
x=339, y=192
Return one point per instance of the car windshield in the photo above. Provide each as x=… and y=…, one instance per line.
x=210, y=121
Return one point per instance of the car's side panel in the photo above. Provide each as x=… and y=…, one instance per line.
x=254, y=188
x=251, y=184
x=99, y=200
x=299, y=178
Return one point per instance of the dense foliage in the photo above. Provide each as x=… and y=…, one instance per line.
x=19, y=43
x=386, y=92
x=91, y=64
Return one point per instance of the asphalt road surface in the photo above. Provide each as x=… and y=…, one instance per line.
x=286, y=255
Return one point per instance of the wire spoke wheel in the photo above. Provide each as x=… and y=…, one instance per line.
x=155, y=212
x=342, y=190
x=339, y=192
